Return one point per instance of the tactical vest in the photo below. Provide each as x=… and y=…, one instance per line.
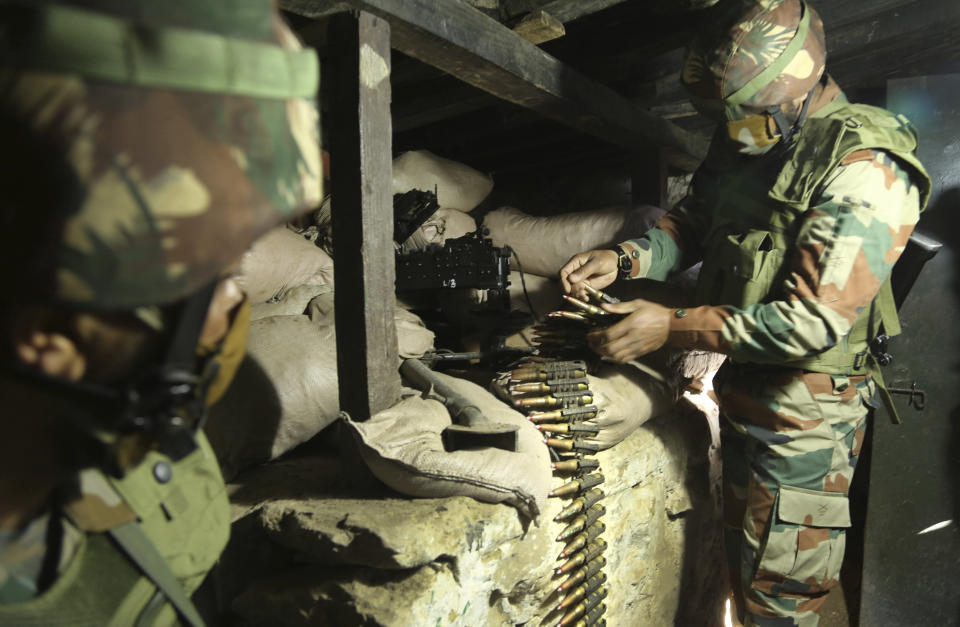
x=186, y=519
x=755, y=217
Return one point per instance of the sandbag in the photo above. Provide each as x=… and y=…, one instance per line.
x=544, y=244
x=443, y=225
x=293, y=303
x=286, y=391
x=628, y=397
x=280, y=261
x=458, y=186
x=402, y=447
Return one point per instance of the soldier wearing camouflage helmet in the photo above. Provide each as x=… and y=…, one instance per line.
x=800, y=210
x=146, y=145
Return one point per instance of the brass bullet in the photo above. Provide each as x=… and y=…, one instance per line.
x=578, y=463
x=582, y=521
x=587, y=307
x=600, y=296
x=591, y=568
x=569, y=315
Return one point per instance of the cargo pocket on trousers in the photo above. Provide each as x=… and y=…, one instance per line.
x=804, y=547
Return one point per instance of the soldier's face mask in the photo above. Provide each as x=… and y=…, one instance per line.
x=752, y=135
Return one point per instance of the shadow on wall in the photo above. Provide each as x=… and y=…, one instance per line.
x=946, y=209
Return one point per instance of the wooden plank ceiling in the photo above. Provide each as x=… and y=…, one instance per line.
x=632, y=48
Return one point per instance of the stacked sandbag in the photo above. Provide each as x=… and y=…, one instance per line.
x=403, y=447
x=458, y=186
x=544, y=244
x=286, y=390
x=280, y=261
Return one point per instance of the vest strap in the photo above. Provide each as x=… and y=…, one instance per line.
x=138, y=547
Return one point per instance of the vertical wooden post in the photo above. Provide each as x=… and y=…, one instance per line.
x=360, y=172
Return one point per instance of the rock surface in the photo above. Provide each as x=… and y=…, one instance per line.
x=376, y=558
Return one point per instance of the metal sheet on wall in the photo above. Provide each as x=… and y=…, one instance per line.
x=911, y=572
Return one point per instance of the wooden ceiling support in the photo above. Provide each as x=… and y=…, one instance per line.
x=478, y=50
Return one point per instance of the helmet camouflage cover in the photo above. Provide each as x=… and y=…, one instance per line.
x=763, y=53
x=147, y=144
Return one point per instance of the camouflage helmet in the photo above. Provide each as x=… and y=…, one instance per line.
x=147, y=144
x=763, y=54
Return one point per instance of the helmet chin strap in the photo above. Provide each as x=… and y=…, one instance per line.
x=161, y=409
x=784, y=127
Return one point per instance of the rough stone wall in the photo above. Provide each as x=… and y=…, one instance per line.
x=308, y=551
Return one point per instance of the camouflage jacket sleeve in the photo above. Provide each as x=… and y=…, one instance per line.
x=845, y=249
x=671, y=246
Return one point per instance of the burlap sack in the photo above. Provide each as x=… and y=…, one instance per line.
x=293, y=303
x=403, y=447
x=544, y=244
x=286, y=391
x=280, y=261
x=628, y=397
x=458, y=186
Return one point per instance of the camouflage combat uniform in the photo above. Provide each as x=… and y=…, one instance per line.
x=180, y=506
x=160, y=138
x=796, y=245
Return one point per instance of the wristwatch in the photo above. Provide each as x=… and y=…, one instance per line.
x=624, y=262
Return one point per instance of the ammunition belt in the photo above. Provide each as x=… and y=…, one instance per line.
x=555, y=394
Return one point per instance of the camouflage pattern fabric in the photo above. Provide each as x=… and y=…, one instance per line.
x=847, y=245
x=749, y=38
x=21, y=559
x=791, y=437
x=181, y=506
x=790, y=445
x=120, y=196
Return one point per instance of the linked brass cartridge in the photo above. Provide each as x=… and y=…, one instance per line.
x=568, y=414
x=582, y=608
x=594, y=618
x=582, y=591
x=583, y=483
x=582, y=521
x=569, y=315
x=579, y=445
x=587, y=307
x=556, y=399
x=593, y=549
x=581, y=539
x=599, y=296
x=576, y=427
x=583, y=573
x=578, y=463
x=553, y=385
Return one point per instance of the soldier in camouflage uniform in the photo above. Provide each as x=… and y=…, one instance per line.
x=146, y=145
x=799, y=212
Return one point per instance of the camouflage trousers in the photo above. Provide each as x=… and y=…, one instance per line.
x=790, y=443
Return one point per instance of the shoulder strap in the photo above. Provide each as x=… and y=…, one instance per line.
x=825, y=141
x=141, y=551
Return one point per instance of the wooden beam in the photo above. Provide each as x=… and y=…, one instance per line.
x=570, y=10
x=360, y=174
x=460, y=40
x=539, y=26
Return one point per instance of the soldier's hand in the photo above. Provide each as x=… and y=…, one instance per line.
x=596, y=267
x=644, y=329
